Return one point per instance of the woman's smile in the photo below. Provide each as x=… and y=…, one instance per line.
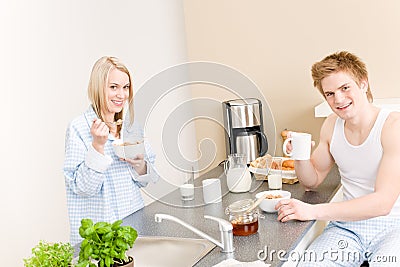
x=118, y=103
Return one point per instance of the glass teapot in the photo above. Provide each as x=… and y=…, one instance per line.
x=237, y=174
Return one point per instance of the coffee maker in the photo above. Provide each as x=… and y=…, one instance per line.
x=243, y=121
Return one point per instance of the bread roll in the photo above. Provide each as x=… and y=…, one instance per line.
x=288, y=164
x=261, y=162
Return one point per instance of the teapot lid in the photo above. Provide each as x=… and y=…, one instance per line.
x=239, y=206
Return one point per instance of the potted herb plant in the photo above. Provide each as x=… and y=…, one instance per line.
x=47, y=255
x=105, y=243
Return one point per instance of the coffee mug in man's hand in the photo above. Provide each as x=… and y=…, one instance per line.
x=301, y=146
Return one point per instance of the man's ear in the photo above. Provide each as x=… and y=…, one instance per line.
x=364, y=86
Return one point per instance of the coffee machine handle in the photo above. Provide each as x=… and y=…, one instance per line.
x=264, y=144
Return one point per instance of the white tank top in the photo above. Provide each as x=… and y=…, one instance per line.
x=358, y=165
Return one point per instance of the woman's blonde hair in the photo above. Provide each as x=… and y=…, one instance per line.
x=341, y=61
x=98, y=82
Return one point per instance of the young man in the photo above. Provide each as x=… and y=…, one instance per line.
x=363, y=140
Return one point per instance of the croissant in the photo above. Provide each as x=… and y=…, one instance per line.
x=288, y=165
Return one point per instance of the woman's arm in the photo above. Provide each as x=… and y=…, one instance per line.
x=84, y=166
x=145, y=167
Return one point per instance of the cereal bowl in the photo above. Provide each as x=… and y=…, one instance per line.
x=272, y=198
x=128, y=150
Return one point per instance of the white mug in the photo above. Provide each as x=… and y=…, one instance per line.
x=301, y=146
x=212, y=190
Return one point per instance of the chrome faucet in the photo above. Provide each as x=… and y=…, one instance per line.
x=225, y=228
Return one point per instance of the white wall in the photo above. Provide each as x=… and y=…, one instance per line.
x=47, y=49
x=275, y=43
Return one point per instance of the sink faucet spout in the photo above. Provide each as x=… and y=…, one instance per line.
x=224, y=226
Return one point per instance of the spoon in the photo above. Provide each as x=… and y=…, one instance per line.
x=259, y=200
x=118, y=122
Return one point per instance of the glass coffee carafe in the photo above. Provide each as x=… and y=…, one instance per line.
x=237, y=174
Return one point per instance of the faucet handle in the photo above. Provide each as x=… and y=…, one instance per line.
x=224, y=225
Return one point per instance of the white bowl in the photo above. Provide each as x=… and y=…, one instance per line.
x=123, y=150
x=268, y=205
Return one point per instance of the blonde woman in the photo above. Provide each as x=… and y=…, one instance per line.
x=99, y=185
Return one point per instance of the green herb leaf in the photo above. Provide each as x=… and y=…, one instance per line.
x=88, y=250
x=103, y=230
x=108, y=236
x=108, y=261
x=108, y=241
x=45, y=255
x=86, y=223
x=116, y=224
x=89, y=231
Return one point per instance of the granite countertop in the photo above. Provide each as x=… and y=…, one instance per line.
x=271, y=234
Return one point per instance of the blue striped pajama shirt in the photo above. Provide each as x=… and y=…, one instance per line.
x=101, y=187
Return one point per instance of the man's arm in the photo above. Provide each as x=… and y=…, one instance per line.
x=387, y=185
x=312, y=173
x=378, y=203
x=388, y=181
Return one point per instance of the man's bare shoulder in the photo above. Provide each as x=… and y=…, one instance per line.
x=391, y=128
x=331, y=119
x=394, y=115
x=393, y=121
x=327, y=127
x=389, y=137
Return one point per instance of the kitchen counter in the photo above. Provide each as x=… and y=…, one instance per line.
x=272, y=235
